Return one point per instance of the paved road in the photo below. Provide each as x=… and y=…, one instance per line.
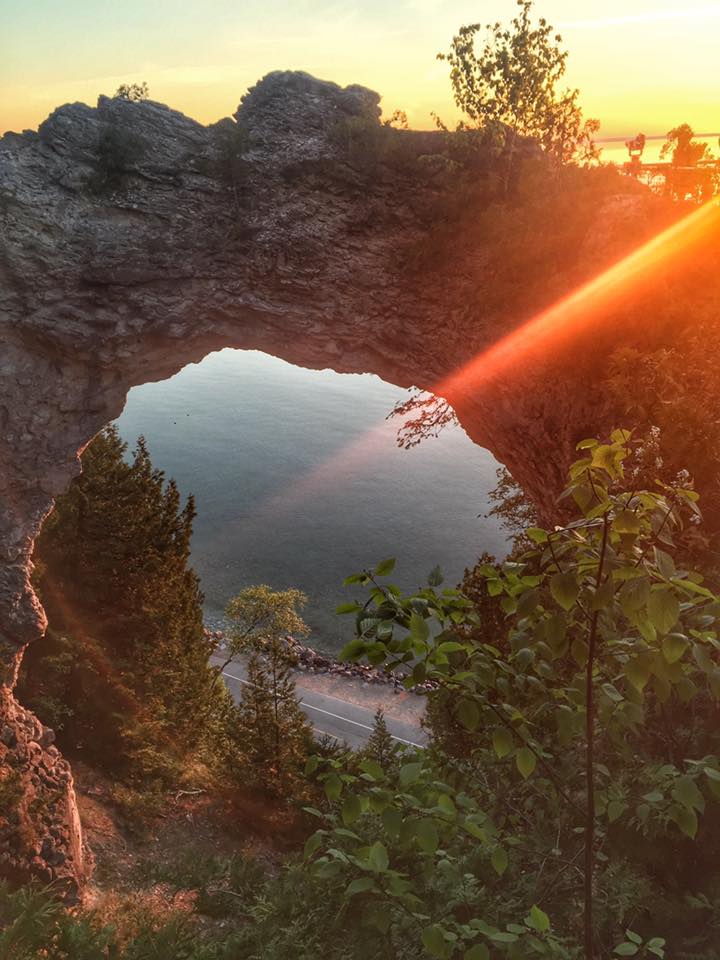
x=338, y=718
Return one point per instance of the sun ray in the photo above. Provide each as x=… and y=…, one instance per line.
x=545, y=332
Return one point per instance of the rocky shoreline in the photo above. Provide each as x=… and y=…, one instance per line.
x=308, y=660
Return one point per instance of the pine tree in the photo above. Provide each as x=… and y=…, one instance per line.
x=380, y=746
x=125, y=613
x=273, y=734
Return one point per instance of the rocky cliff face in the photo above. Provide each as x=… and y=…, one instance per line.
x=134, y=240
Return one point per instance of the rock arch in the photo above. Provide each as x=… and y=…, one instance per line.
x=253, y=233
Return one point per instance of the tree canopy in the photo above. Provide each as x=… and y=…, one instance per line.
x=510, y=88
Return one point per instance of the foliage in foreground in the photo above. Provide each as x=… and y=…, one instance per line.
x=556, y=839
x=586, y=692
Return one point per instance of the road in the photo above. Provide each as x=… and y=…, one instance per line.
x=342, y=719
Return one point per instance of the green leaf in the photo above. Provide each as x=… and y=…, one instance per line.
x=665, y=563
x=435, y=577
x=499, y=936
x=626, y=522
x=612, y=692
x=555, y=631
x=359, y=886
x=502, y=742
x=687, y=820
x=653, y=797
x=333, y=787
x=311, y=845
x=615, y=809
x=385, y=567
x=604, y=456
x=450, y=646
x=674, y=646
x=427, y=835
x=538, y=920
x=564, y=588
x=351, y=650
x=469, y=714
x=633, y=596
x=351, y=810
x=372, y=768
x=347, y=608
x=355, y=578
x=686, y=792
x=626, y=949
x=434, y=941
x=637, y=672
x=419, y=628
x=633, y=937
x=537, y=534
x=663, y=609
x=477, y=952
x=525, y=761
x=392, y=821
x=378, y=859
x=579, y=651
x=603, y=596
x=499, y=860
x=409, y=773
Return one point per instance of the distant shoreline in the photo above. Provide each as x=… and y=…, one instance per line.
x=308, y=660
x=654, y=136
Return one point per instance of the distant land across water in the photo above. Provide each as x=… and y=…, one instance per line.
x=299, y=481
x=613, y=149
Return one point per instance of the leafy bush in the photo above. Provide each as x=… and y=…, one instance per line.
x=571, y=832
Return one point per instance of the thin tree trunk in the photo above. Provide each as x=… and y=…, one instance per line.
x=511, y=154
x=588, y=925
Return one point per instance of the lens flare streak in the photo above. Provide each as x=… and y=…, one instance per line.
x=542, y=334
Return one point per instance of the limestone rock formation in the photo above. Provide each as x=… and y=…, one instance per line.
x=134, y=240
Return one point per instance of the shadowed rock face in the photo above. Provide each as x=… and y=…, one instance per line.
x=135, y=240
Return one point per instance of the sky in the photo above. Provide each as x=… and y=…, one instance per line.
x=641, y=65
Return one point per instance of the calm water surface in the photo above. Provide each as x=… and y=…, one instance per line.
x=298, y=481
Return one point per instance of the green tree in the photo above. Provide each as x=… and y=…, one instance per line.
x=259, y=616
x=380, y=746
x=126, y=658
x=509, y=90
x=272, y=733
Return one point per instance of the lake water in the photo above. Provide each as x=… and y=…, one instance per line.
x=298, y=482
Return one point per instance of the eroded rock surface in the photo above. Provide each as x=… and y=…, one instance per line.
x=135, y=240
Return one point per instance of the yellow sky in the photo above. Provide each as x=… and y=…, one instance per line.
x=640, y=64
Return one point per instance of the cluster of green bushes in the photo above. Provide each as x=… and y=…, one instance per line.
x=568, y=804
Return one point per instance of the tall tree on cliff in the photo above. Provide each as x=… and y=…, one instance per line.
x=124, y=666
x=509, y=89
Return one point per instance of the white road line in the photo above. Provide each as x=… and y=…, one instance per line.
x=327, y=713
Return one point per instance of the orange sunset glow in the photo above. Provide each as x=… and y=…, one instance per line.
x=539, y=336
x=647, y=67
